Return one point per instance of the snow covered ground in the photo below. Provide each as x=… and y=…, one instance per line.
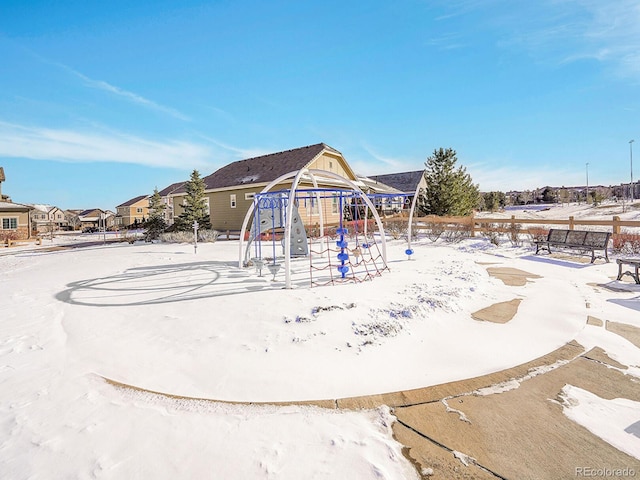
x=161, y=318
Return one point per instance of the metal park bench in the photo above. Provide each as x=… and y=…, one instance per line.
x=633, y=263
x=577, y=241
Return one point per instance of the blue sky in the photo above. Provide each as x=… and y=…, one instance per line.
x=103, y=101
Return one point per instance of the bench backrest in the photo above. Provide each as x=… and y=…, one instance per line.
x=579, y=237
x=597, y=239
x=556, y=235
x=576, y=237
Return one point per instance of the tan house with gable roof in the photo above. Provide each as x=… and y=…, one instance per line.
x=47, y=218
x=15, y=221
x=132, y=212
x=3, y=198
x=230, y=190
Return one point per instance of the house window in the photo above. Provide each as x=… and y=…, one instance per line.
x=249, y=196
x=334, y=204
x=314, y=206
x=9, y=223
x=330, y=165
x=232, y=200
x=139, y=210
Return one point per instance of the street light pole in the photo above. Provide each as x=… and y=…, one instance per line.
x=631, y=158
x=587, y=197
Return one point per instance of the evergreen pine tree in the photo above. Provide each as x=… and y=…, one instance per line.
x=195, y=206
x=155, y=224
x=449, y=191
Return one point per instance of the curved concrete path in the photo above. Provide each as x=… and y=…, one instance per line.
x=507, y=424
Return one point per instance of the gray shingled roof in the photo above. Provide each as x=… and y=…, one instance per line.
x=84, y=213
x=173, y=188
x=263, y=169
x=404, y=181
x=128, y=203
x=376, y=186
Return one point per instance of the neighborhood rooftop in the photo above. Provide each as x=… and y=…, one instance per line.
x=405, y=181
x=265, y=168
x=133, y=200
x=173, y=188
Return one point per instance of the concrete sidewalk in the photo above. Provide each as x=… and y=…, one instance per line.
x=508, y=424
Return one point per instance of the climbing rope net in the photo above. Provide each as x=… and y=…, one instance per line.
x=349, y=250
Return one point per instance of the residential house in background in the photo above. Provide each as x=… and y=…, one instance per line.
x=230, y=190
x=73, y=218
x=48, y=218
x=91, y=219
x=167, y=198
x=3, y=198
x=15, y=221
x=109, y=219
x=132, y=212
x=58, y=218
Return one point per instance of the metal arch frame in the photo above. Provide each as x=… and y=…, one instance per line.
x=413, y=207
x=297, y=177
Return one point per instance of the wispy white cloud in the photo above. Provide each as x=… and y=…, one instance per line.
x=39, y=143
x=447, y=41
x=112, y=89
x=608, y=32
x=563, y=31
x=391, y=164
x=133, y=97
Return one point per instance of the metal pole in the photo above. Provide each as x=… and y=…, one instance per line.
x=631, y=158
x=587, y=197
x=195, y=236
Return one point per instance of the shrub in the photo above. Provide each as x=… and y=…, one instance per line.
x=209, y=236
x=435, y=230
x=8, y=235
x=538, y=234
x=491, y=232
x=397, y=228
x=514, y=234
x=626, y=243
x=457, y=233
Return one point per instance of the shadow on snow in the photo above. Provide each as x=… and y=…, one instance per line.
x=159, y=284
